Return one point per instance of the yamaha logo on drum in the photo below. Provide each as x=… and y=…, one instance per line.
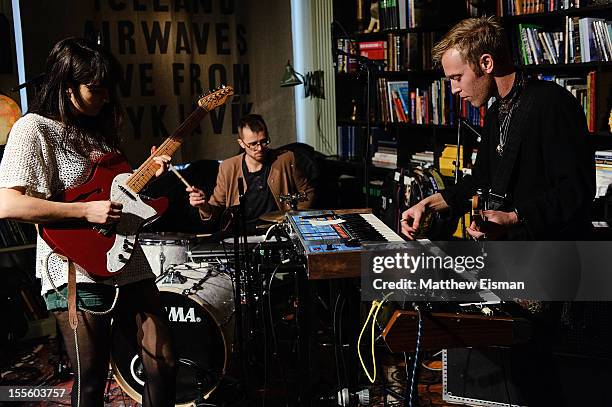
x=177, y=314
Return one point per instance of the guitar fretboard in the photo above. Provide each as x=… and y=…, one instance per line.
x=146, y=171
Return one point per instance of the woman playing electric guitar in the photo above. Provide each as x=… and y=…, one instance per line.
x=74, y=121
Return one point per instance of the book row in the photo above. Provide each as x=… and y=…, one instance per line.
x=434, y=103
x=584, y=39
x=520, y=7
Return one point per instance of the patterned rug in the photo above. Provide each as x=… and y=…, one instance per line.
x=35, y=363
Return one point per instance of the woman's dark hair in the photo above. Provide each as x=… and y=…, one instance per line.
x=72, y=62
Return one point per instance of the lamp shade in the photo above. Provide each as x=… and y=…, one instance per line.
x=290, y=78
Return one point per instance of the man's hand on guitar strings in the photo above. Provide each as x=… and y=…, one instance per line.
x=494, y=226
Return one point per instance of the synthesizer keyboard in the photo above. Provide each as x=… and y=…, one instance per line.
x=332, y=241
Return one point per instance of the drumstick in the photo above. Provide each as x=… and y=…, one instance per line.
x=171, y=167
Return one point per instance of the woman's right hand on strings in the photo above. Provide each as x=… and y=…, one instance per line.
x=197, y=198
x=103, y=212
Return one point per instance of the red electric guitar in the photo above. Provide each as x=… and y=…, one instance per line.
x=105, y=250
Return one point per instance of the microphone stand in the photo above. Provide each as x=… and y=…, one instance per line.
x=462, y=122
x=368, y=65
x=238, y=225
x=30, y=82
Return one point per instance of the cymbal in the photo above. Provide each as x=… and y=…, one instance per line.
x=274, y=217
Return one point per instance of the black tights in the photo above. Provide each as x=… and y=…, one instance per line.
x=139, y=315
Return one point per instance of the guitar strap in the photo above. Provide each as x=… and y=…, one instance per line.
x=501, y=179
x=72, y=309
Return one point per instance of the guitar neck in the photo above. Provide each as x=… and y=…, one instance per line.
x=146, y=171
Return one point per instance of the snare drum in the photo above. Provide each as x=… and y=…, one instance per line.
x=200, y=305
x=164, y=249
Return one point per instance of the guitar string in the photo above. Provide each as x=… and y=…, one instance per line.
x=135, y=180
x=169, y=146
x=143, y=174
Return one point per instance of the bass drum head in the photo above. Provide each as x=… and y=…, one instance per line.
x=199, y=345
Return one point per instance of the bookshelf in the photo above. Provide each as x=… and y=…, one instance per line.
x=584, y=10
x=407, y=56
x=590, y=73
x=406, y=49
x=350, y=81
x=573, y=43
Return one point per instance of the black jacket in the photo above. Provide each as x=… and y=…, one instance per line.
x=553, y=181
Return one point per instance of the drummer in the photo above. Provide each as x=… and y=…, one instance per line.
x=265, y=174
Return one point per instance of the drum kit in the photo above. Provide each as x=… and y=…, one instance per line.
x=199, y=300
x=198, y=294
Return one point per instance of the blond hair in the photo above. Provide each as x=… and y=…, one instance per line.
x=474, y=37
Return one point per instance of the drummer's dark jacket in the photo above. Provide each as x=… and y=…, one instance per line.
x=552, y=183
x=284, y=178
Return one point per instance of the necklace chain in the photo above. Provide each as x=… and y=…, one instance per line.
x=506, y=108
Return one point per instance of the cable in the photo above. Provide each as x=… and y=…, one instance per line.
x=78, y=358
x=92, y=312
x=265, y=335
x=503, y=365
x=416, y=355
x=336, y=341
x=342, y=358
x=396, y=378
x=375, y=306
x=96, y=313
x=274, y=340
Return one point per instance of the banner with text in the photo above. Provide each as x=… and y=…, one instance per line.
x=171, y=51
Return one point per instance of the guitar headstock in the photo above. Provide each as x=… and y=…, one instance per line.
x=216, y=98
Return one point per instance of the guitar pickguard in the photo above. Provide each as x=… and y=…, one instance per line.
x=135, y=212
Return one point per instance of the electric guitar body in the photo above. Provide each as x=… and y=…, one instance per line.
x=105, y=250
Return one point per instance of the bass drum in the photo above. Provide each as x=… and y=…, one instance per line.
x=200, y=304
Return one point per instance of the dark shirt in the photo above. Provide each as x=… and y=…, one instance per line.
x=258, y=198
x=552, y=183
